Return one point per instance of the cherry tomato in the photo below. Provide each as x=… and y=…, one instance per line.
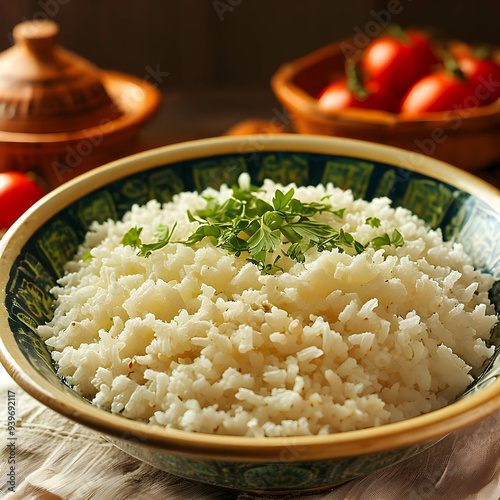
x=483, y=75
x=396, y=62
x=337, y=96
x=440, y=91
x=17, y=193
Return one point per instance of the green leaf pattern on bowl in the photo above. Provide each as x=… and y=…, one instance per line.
x=283, y=169
x=289, y=474
x=348, y=174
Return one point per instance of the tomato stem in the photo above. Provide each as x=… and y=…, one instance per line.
x=483, y=52
x=397, y=32
x=451, y=65
x=354, y=80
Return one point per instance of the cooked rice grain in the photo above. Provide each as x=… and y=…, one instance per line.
x=195, y=339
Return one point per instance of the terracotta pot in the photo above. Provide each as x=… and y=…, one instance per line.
x=59, y=114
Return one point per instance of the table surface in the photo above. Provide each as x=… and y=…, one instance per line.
x=464, y=465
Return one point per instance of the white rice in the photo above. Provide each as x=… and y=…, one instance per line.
x=193, y=338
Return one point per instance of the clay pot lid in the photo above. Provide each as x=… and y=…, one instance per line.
x=46, y=89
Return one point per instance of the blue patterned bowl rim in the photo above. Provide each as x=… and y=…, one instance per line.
x=409, y=432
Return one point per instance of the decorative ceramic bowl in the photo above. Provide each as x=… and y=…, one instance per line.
x=466, y=138
x=35, y=248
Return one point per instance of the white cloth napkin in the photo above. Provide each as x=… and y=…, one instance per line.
x=58, y=459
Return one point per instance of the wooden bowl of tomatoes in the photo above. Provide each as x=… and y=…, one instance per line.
x=403, y=89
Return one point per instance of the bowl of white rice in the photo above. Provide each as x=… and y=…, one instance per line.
x=267, y=315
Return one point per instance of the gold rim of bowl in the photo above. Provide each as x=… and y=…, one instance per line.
x=406, y=433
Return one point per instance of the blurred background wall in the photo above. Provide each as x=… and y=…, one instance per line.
x=232, y=43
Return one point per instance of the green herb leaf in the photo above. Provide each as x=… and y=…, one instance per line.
x=296, y=252
x=397, y=239
x=247, y=224
x=380, y=241
x=280, y=200
x=310, y=230
x=163, y=235
x=263, y=240
x=267, y=268
x=339, y=213
x=87, y=256
x=202, y=232
x=373, y=221
x=358, y=247
x=132, y=237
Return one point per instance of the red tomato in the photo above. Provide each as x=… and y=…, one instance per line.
x=398, y=62
x=17, y=193
x=337, y=96
x=483, y=75
x=439, y=91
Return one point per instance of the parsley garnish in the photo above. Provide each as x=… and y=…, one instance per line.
x=247, y=224
x=373, y=221
x=87, y=256
x=132, y=238
x=396, y=239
